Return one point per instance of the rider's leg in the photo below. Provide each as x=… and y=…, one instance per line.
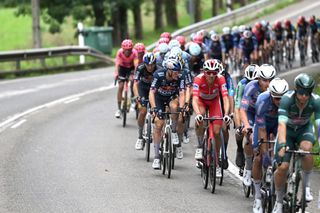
x=119, y=94
x=141, y=117
x=157, y=136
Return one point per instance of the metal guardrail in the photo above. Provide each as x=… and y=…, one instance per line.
x=227, y=18
x=45, y=53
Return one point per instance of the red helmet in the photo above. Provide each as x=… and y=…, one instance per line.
x=181, y=40
x=287, y=23
x=127, y=44
x=140, y=47
x=312, y=19
x=277, y=24
x=166, y=35
x=258, y=25
x=198, y=39
x=163, y=40
x=301, y=20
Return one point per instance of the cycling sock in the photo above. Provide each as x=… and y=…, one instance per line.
x=180, y=137
x=248, y=162
x=280, y=193
x=156, y=151
x=307, y=177
x=257, y=186
x=119, y=105
x=140, y=129
x=200, y=139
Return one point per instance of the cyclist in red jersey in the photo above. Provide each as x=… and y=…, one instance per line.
x=141, y=50
x=207, y=88
x=126, y=61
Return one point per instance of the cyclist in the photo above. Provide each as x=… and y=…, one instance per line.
x=141, y=50
x=314, y=33
x=167, y=89
x=215, y=49
x=247, y=112
x=126, y=61
x=206, y=89
x=265, y=127
x=260, y=35
x=267, y=39
x=227, y=45
x=197, y=58
x=163, y=48
x=290, y=35
x=295, y=130
x=302, y=33
x=142, y=83
x=248, y=48
x=166, y=35
x=251, y=73
x=236, y=39
x=225, y=127
x=182, y=41
x=205, y=35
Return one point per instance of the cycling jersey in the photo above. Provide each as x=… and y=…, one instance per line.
x=126, y=62
x=302, y=31
x=215, y=50
x=236, y=39
x=259, y=34
x=159, y=58
x=266, y=116
x=290, y=33
x=227, y=43
x=278, y=34
x=229, y=83
x=313, y=28
x=249, y=46
x=239, y=92
x=165, y=87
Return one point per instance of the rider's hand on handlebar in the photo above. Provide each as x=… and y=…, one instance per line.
x=198, y=118
x=227, y=119
x=246, y=129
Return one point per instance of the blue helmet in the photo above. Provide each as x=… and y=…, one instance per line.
x=173, y=64
x=149, y=58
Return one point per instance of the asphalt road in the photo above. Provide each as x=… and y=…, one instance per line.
x=62, y=150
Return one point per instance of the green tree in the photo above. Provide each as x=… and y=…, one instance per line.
x=158, y=19
x=171, y=12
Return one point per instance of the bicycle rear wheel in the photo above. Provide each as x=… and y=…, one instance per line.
x=163, y=157
x=205, y=168
x=148, y=137
x=168, y=151
x=303, y=203
x=221, y=178
x=212, y=166
x=124, y=109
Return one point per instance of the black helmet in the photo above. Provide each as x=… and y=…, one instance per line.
x=304, y=81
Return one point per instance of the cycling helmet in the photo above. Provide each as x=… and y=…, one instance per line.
x=198, y=39
x=149, y=58
x=242, y=28
x=173, y=64
x=212, y=32
x=176, y=51
x=258, y=25
x=247, y=34
x=203, y=33
x=192, y=35
x=267, y=71
x=312, y=19
x=166, y=35
x=127, y=44
x=226, y=30
x=215, y=37
x=181, y=40
x=277, y=24
x=173, y=43
x=194, y=49
x=264, y=23
x=304, y=81
x=163, y=40
x=235, y=29
x=212, y=65
x=287, y=23
x=140, y=47
x=251, y=72
x=163, y=48
x=278, y=87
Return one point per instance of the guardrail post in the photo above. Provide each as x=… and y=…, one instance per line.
x=18, y=65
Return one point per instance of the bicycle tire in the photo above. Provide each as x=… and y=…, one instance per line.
x=148, y=138
x=246, y=190
x=169, y=152
x=174, y=148
x=124, y=109
x=162, y=157
x=212, y=167
x=205, y=168
x=303, y=203
x=221, y=178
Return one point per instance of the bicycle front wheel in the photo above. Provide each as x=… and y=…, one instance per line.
x=205, y=155
x=213, y=167
x=124, y=109
x=169, y=152
x=148, y=137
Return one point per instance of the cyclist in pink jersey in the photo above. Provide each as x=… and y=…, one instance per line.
x=126, y=61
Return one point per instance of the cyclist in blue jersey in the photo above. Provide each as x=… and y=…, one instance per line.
x=296, y=131
x=167, y=89
x=247, y=112
x=142, y=83
x=248, y=48
x=163, y=49
x=214, y=51
x=265, y=127
x=302, y=33
x=251, y=73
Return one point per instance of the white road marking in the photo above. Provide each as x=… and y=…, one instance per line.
x=71, y=100
x=10, y=120
x=18, y=124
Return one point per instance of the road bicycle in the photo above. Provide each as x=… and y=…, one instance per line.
x=247, y=190
x=278, y=55
x=289, y=54
x=147, y=132
x=294, y=200
x=209, y=162
x=315, y=48
x=302, y=50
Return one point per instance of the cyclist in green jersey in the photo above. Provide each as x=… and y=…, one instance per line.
x=295, y=130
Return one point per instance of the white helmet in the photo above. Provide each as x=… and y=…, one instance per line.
x=174, y=43
x=212, y=65
x=242, y=28
x=235, y=29
x=251, y=72
x=212, y=32
x=194, y=49
x=247, y=34
x=267, y=71
x=215, y=37
x=278, y=87
x=163, y=48
x=226, y=30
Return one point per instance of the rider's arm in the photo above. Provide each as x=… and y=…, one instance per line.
x=245, y=105
x=137, y=76
x=195, y=95
x=182, y=91
x=224, y=93
x=283, y=119
x=153, y=90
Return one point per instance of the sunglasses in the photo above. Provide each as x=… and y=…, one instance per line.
x=211, y=72
x=303, y=92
